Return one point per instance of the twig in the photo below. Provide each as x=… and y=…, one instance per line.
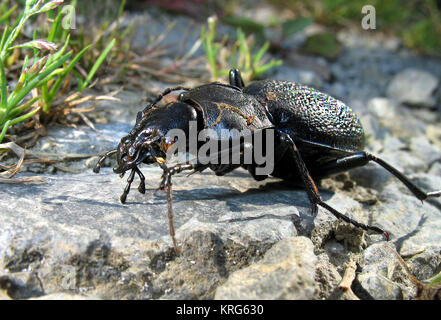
x=36, y=180
x=349, y=276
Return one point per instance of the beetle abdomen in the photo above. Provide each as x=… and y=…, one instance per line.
x=312, y=115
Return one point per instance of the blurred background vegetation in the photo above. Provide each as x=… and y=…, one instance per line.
x=416, y=22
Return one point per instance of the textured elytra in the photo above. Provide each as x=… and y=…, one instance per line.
x=314, y=116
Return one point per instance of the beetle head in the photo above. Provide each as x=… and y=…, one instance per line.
x=148, y=141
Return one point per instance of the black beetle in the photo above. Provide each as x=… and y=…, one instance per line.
x=315, y=136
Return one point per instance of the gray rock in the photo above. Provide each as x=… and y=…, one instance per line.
x=414, y=87
x=382, y=276
x=74, y=235
x=399, y=122
x=326, y=278
x=285, y=272
x=414, y=226
x=423, y=149
x=302, y=76
x=79, y=146
x=73, y=232
x=383, y=108
x=425, y=264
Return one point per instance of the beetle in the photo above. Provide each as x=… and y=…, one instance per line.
x=315, y=136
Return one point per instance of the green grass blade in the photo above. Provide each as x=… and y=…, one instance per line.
x=43, y=77
x=4, y=36
x=4, y=129
x=121, y=9
x=22, y=108
x=55, y=26
x=266, y=67
x=259, y=55
x=3, y=87
x=97, y=64
x=7, y=14
x=23, y=117
x=68, y=69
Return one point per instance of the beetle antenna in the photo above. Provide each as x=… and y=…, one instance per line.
x=162, y=95
x=98, y=165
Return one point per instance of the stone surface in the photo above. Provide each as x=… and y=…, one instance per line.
x=426, y=263
x=75, y=234
x=327, y=277
x=285, y=272
x=414, y=87
x=382, y=276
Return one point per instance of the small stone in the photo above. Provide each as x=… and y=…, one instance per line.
x=423, y=149
x=383, y=108
x=413, y=87
x=286, y=271
x=433, y=133
x=382, y=275
x=426, y=264
x=326, y=277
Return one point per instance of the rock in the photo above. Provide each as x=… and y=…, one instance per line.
x=75, y=234
x=382, y=276
x=399, y=122
x=326, y=278
x=205, y=263
x=433, y=133
x=285, y=272
x=304, y=77
x=423, y=149
x=424, y=265
x=413, y=87
x=435, y=169
x=78, y=147
x=383, y=108
x=410, y=222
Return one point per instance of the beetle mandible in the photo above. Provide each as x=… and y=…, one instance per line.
x=315, y=136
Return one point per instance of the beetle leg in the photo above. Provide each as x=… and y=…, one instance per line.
x=236, y=78
x=170, y=214
x=127, y=188
x=167, y=184
x=168, y=172
x=141, y=187
x=314, y=195
x=360, y=159
x=420, y=194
